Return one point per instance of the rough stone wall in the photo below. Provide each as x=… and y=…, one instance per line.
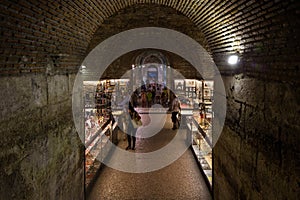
x=41, y=154
x=257, y=155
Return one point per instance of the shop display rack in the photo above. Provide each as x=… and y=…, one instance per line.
x=202, y=147
x=100, y=123
x=200, y=127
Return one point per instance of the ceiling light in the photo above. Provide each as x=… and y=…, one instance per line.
x=233, y=59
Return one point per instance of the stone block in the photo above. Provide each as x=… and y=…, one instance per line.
x=47, y=155
x=22, y=93
x=58, y=88
x=248, y=90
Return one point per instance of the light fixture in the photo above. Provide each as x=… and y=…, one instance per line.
x=233, y=59
x=132, y=66
x=83, y=67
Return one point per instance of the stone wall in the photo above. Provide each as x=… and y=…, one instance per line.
x=41, y=153
x=256, y=155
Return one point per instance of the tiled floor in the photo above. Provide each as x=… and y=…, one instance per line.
x=180, y=180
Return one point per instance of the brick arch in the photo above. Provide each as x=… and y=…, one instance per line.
x=147, y=15
x=50, y=36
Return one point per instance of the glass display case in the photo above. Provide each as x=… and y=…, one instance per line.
x=201, y=132
x=96, y=151
x=200, y=127
x=99, y=123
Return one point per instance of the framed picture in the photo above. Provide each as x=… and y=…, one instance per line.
x=208, y=84
x=198, y=84
x=179, y=84
x=112, y=82
x=123, y=81
x=206, y=93
x=152, y=75
x=190, y=83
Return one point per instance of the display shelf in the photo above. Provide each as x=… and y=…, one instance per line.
x=95, y=140
x=202, y=145
x=94, y=132
x=203, y=131
x=96, y=152
x=202, y=137
x=97, y=109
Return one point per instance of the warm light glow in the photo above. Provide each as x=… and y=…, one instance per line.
x=233, y=59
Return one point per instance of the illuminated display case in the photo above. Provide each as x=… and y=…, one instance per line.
x=100, y=125
x=201, y=131
x=200, y=127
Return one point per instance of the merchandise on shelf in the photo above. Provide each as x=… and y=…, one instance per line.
x=201, y=128
x=99, y=96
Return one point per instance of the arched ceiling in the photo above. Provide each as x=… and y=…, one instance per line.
x=147, y=15
x=36, y=35
x=124, y=63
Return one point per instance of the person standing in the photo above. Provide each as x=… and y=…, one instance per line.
x=134, y=99
x=134, y=121
x=144, y=99
x=149, y=98
x=175, y=110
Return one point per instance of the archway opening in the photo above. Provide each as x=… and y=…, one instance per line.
x=194, y=93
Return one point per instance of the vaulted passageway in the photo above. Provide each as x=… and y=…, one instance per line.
x=43, y=44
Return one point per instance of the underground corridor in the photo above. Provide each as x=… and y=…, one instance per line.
x=207, y=92
x=151, y=86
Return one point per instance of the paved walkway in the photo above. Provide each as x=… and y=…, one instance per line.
x=180, y=180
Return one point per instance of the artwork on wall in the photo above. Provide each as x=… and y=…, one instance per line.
x=208, y=84
x=123, y=81
x=152, y=75
x=179, y=84
x=206, y=92
x=190, y=83
x=112, y=82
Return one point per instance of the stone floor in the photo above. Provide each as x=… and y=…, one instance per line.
x=180, y=180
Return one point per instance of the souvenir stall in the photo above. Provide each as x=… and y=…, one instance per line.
x=100, y=109
x=200, y=126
